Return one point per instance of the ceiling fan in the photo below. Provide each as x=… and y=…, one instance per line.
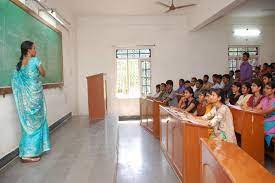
x=172, y=7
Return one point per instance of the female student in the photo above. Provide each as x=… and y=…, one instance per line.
x=188, y=102
x=257, y=96
x=267, y=107
x=202, y=103
x=246, y=88
x=235, y=94
x=30, y=102
x=220, y=118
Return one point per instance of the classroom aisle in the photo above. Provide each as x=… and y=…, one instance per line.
x=140, y=159
x=80, y=154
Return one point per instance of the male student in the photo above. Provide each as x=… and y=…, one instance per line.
x=199, y=85
x=193, y=83
x=246, y=72
x=227, y=85
x=206, y=84
x=218, y=82
x=181, y=88
x=171, y=100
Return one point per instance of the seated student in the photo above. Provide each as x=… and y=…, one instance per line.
x=188, y=102
x=158, y=92
x=193, y=83
x=220, y=118
x=163, y=95
x=199, y=84
x=181, y=88
x=267, y=107
x=257, y=72
x=237, y=76
x=231, y=76
x=206, y=84
x=264, y=69
x=227, y=85
x=246, y=88
x=235, y=93
x=202, y=103
x=255, y=99
x=218, y=83
x=267, y=78
x=171, y=99
x=187, y=83
x=209, y=106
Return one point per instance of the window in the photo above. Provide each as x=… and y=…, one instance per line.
x=133, y=72
x=235, y=54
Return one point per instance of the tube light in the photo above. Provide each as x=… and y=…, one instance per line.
x=247, y=32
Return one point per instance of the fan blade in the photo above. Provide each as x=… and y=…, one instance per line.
x=184, y=6
x=163, y=4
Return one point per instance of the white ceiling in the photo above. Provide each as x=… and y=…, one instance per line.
x=255, y=8
x=123, y=7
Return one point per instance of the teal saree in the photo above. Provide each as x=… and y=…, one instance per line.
x=30, y=102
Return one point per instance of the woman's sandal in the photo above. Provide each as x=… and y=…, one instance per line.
x=30, y=160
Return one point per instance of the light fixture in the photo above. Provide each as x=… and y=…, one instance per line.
x=247, y=32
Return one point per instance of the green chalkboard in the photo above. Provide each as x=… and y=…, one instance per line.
x=17, y=24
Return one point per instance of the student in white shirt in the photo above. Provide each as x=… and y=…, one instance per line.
x=246, y=89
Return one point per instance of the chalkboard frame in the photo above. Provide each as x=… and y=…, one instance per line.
x=8, y=90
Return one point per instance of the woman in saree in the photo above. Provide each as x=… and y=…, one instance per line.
x=267, y=107
x=30, y=102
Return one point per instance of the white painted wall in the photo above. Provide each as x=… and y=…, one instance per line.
x=178, y=53
x=265, y=40
x=59, y=101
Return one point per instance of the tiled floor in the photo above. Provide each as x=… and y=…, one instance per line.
x=140, y=159
x=82, y=153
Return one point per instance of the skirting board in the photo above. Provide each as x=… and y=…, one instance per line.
x=128, y=118
x=9, y=157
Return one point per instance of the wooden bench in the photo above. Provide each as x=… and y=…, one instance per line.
x=226, y=162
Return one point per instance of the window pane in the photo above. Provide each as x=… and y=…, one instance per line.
x=232, y=49
x=133, y=55
x=145, y=51
x=233, y=53
x=144, y=55
x=122, y=56
x=122, y=82
x=121, y=51
x=134, y=90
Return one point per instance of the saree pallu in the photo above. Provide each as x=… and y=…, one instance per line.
x=32, y=112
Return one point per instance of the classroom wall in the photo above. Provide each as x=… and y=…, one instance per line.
x=265, y=41
x=59, y=101
x=178, y=53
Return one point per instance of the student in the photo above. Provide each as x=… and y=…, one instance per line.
x=235, y=93
x=199, y=84
x=158, y=92
x=227, y=85
x=188, y=102
x=246, y=73
x=187, y=83
x=220, y=118
x=202, y=103
x=163, y=95
x=181, y=88
x=218, y=82
x=231, y=76
x=171, y=99
x=246, y=88
x=257, y=73
x=193, y=83
x=214, y=79
x=206, y=84
x=267, y=78
x=209, y=106
x=267, y=107
x=264, y=70
x=257, y=96
x=237, y=76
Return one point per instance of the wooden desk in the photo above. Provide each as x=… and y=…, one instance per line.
x=181, y=145
x=149, y=115
x=226, y=162
x=250, y=126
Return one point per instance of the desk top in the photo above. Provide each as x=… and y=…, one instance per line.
x=238, y=165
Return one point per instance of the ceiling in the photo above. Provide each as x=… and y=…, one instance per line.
x=255, y=8
x=123, y=7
